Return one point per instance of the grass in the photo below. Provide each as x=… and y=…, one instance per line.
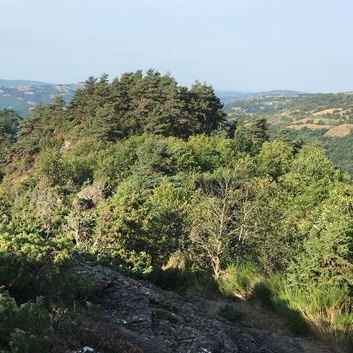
x=239, y=280
x=323, y=311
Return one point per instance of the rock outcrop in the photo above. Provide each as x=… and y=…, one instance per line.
x=139, y=317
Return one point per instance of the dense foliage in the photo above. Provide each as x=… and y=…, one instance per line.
x=325, y=120
x=144, y=175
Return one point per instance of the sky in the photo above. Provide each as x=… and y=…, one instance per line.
x=238, y=45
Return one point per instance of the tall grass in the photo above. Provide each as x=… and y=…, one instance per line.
x=327, y=310
x=323, y=311
x=239, y=280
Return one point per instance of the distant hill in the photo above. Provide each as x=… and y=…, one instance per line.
x=230, y=96
x=266, y=102
x=297, y=111
x=16, y=83
x=22, y=96
x=234, y=96
x=325, y=120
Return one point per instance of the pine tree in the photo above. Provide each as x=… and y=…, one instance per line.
x=258, y=130
x=171, y=117
x=206, y=107
x=106, y=124
x=31, y=129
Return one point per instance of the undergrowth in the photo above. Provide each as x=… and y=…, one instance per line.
x=322, y=311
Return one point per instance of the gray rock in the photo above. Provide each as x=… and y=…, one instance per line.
x=158, y=321
x=90, y=196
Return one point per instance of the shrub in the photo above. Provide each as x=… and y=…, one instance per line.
x=172, y=279
x=24, y=328
x=31, y=265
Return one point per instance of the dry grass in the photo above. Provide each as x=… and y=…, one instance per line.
x=326, y=111
x=310, y=126
x=314, y=121
x=339, y=130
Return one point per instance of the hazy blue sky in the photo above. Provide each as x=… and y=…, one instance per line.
x=232, y=44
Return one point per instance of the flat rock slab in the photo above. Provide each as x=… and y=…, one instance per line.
x=157, y=321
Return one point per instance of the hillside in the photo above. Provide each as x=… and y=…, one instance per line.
x=17, y=83
x=229, y=97
x=23, y=96
x=138, y=214
x=322, y=119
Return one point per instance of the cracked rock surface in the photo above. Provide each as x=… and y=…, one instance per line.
x=150, y=320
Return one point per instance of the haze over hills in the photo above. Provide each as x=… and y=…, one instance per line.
x=233, y=96
x=16, y=83
x=22, y=95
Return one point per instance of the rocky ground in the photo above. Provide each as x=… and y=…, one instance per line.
x=137, y=317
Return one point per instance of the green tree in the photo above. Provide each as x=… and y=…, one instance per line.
x=313, y=162
x=206, y=107
x=275, y=158
x=258, y=130
x=224, y=219
x=327, y=259
x=106, y=124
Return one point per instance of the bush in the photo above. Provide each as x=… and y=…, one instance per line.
x=172, y=279
x=31, y=265
x=25, y=328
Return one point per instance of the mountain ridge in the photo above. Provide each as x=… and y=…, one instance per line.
x=20, y=82
x=22, y=95
x=235, y=96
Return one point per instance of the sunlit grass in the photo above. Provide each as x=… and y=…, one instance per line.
x=325, y=312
